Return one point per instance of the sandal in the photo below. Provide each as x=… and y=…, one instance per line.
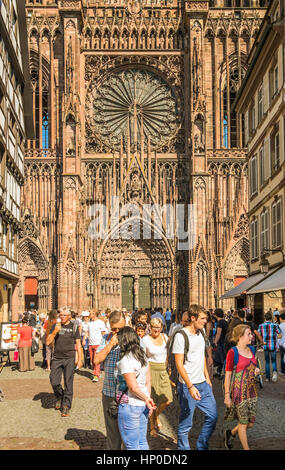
x=153, y=432
x=158, y=424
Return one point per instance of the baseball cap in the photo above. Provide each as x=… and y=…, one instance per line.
x=85, y=314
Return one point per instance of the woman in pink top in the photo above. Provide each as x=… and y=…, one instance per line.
x=25, y=336
x=240, y=386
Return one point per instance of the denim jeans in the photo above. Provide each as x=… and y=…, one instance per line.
x=268, y=355
x=207, y=404
x=132, y=421
x=282, y=355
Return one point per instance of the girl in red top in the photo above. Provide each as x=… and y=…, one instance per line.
x=25, y=336
x=240, y=386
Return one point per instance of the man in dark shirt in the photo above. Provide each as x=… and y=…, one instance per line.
x=65, y=335
x=256, y=336
x=238, y=319
x=33, y=319
x=219, y=340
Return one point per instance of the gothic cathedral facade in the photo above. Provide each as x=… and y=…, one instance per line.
x=133, y=102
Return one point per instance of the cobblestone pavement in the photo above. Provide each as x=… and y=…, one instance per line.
x=29, y=420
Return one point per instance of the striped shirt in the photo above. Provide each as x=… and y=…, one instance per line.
x=269, y=332
x=110, y=364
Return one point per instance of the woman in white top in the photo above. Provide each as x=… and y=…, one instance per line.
x=135, y=404
x=155, y=347
x=95, y=332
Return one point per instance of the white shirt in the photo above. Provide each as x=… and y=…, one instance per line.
x=281, y=341
x=195, y=359
x=157, y=354
x=127, y=365
x=95, y=331
x=84, y=327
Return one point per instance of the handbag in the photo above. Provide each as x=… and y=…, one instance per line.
x=35, y=346
x=113, y=408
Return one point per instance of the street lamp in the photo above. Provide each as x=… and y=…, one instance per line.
x=264, y=263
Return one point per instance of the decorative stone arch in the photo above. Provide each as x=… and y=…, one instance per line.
x=33, y=263
x=236, y=263
x=120, y=257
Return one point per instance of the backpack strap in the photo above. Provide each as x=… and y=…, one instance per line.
x=206, y=339
x=186, y=343
x=236, y=355
x=252, y=349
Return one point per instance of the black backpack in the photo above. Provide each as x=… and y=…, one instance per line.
x=172, y=369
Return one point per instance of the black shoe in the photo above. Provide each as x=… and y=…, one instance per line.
x=228, y=439
x=58, y=405
x=65, y=411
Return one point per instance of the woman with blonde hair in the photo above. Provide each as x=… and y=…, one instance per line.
x=240, y=385
x=155, y=346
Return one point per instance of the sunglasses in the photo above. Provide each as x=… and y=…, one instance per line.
x=116, y=329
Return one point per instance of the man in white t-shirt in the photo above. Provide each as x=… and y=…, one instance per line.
x=194, y=386
x=95, y=332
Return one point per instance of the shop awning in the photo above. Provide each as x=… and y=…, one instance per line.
x=273, y=282
x=244, y=286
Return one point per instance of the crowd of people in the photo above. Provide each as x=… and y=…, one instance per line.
x=147, y=358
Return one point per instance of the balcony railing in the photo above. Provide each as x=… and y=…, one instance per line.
x=40, y=153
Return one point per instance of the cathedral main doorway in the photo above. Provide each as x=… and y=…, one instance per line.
x=135, y=274
x=136, y=292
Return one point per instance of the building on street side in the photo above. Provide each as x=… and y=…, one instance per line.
x=261, y=100
x=15, y=125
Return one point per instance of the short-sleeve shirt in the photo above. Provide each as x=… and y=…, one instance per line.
x=157, y=354
x=64, y=341
x=95, y=330
x=195, y=359
x=168, y=315
x=26, y=333
x=110, y=364
x=129, y=364
x=224, y=326
x=243, y=361
x=269, y=332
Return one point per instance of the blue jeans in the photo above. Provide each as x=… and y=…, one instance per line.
x=268, y=355
x=132, y=422
x=207, y=404
x=282, y=354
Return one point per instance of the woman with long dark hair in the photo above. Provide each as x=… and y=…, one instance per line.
x=134, y=391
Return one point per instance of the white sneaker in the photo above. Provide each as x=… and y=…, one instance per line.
x=274, y=377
